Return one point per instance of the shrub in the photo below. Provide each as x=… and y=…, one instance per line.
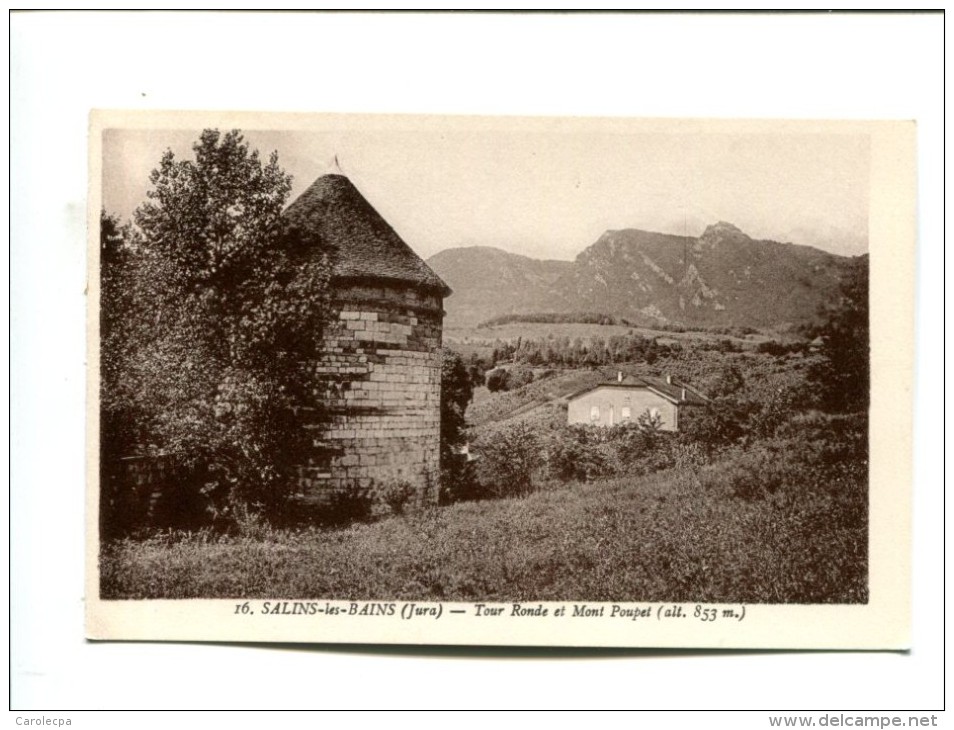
x=503, y=380
x=635, y=441
x=723, y=422
x=576, y=453
x=508, y=460
x=396, y=496
x=349, y=504
x=497, y=380
x=459, y=481
x=249, y=521
x=688, y=456
x=749, y=475
x=519, y=377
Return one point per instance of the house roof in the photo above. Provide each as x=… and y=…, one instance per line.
x=675, y=391
x=332, y=211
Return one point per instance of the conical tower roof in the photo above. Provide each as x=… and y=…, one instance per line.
x=333, y=211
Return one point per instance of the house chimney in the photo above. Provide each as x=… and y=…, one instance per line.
x=669, y=380
x=619, y=376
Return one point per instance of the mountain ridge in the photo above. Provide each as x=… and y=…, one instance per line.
x=722, y=277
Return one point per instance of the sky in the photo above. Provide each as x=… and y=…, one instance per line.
x=548, y=188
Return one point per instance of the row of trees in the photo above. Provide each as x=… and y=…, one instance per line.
x=600, y=318
x=579, y=351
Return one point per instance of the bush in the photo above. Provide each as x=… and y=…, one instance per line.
x=723, y=422
x=508, y=460
x=749, y=475
x=497, y=380
x=503, y=380
x=519, y=377
x=459, y=481
x=579, y=453
x=396, y=496
x=350, y=504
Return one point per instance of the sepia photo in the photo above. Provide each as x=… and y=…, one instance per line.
x=519, y=381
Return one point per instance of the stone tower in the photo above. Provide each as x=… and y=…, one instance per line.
x=380, y=367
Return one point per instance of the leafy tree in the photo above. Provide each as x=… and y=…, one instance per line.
x=649, y=423
x=112, y=243
x=476, y=370
x=728, y=383
x=843, y=378
x=113, y=257
x=519, y=377
x=227, y=313
x=498, y=379
x=457, y=390
x=724, y=421
x=121, y=417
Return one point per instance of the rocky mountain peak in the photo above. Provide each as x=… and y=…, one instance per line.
x=722, y=231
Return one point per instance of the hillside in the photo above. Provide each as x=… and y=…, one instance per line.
x=488, y=282
x=722, y=278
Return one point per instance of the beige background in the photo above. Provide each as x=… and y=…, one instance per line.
x=727, y=66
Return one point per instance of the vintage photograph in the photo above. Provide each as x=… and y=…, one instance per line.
x=494, y=367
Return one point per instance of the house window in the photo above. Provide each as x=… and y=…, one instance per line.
x=625, y=413
x=594, y=413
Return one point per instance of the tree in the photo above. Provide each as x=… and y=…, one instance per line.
x=118, y=416
x=498, y=379
x=457, y=390
x=519, y=376
x=227, y=315
x=843, y=378
x=729, y=382
x=724, y=421
x=476, y=369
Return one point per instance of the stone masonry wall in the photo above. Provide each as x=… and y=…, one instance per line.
x=380, y=381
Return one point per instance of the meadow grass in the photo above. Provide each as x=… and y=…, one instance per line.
x=676, y=535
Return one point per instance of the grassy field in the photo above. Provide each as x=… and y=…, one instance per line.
x=677, y=535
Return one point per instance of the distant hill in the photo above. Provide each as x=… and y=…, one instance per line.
x=722, y=278
x=489, y=282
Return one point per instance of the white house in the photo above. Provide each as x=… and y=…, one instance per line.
x=623, y=400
